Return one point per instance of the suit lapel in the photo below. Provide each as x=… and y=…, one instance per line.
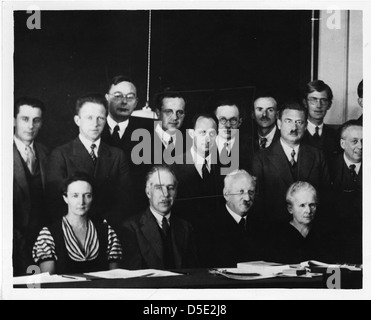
x=81, y=158
x=104, y=163
x=42, y=158
x=19, y=172
x=280, y=162
x=152, y=234
x=305, y=162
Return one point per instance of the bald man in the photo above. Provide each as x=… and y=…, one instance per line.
x=233, y=236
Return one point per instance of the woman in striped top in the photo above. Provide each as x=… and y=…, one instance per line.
x=75, y=244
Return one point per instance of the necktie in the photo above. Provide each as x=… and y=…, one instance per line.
x=171, y=146
x=353, y=172
x=116, y=136
x=224, y=155
x=292, y=161
x=92, y=153
x=242, y=224
x=316, y=134
x=165, y=227
x=30, y=159
x=263, y=143
x=205, y=171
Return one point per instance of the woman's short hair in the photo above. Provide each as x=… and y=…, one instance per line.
x=78, y=176
x=299, y=186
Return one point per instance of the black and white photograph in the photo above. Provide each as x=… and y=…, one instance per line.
x=184, y=151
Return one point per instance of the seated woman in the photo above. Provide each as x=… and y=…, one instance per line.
x=300, y=239
x=75, y=244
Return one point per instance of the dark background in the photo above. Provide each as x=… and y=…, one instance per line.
x=201, y=52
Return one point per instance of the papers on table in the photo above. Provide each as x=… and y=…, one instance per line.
x=45, y=278
x=319, y=265
x=126, y=274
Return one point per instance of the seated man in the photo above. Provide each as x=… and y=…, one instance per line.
x=106, y=166
x=157, y=238
x=346, y=178
x=233, y=234
x=265, y=116
x=317, y=98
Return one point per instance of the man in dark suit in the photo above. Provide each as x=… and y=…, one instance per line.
x=234, y=150
x=360, y=99
x=200, y=182
x=118, y=132
x=287, y=161
x=317, y=98
x=107, y=166
x=232, y=233
x=28, y=181
x=346, y=179
x=157, y=238
x=169, y=141
x=265, y=116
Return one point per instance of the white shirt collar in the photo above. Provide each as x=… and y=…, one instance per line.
x=288, y=150
x=164, y=136
x=269, y=137
x=234, y=215
x=21, y=146
x=199, y=161
x=349, y=163
x=312, y=128
x=112, y=124
x=159, y=217
x=87, y=144
x=220, y=142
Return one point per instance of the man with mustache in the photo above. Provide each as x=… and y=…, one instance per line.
x=105, y=165
x=158, y=238
x=265, y=116
x=233, y=146
x=346, y=177
x=28, y=180
x=287, y=161
x=233, y=234
x=317, y=98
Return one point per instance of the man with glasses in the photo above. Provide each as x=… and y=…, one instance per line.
x=232, y=232
x=233, y=149
x=170, y=109
x=317, y=98
x=122, y=100
x=287, y=161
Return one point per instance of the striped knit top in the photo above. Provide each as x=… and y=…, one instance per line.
x=44, y=248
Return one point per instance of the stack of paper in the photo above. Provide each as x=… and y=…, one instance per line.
x=322, y=265
x=45, y=278
x=126, y=274
x=267, y=268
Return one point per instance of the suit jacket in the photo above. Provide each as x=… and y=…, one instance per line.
x=143, y=246
x=272, y=169
x=110, y=178
x=329, y=141
x=243, y=151
x=347, y=210
x=231, y=244
x=26, y=222
x=136, y=194
x=276, y=137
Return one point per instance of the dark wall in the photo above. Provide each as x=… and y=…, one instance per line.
x=79, y=51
